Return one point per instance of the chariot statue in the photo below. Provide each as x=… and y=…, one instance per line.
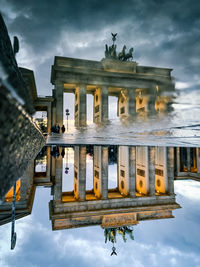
x=111, y=51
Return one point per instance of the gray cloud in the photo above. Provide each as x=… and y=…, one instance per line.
x=163, y=33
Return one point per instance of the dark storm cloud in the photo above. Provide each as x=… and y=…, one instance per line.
x=163, y=33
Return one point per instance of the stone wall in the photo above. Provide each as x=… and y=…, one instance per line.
x=20, y=140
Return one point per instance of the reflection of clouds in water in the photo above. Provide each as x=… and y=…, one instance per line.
x=112, y=176
x=169, y=242
x=89, y=172
x=188, y=189
x=22, y=227
x=79, y=247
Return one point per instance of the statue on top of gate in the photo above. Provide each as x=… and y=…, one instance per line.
x=111, y=52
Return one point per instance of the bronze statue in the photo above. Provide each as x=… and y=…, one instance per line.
x=111, y=51
x=114, y=37
x=129, y=55
x=113, y=251
x=121, y=55
x=107, y=53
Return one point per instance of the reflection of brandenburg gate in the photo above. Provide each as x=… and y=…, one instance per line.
x=145, y=188
x=125, y=80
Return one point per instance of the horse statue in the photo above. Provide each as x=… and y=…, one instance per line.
x=129, y=231
x=110, y=51
x=129, y=55
x=113, y=52
x=121, y=55
x=107, y=54
x=122, y=232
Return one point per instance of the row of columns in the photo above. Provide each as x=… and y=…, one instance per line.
x=127, y=104
x=80, y=112
x=128, y=178
x=188, y=158
x=45, y=106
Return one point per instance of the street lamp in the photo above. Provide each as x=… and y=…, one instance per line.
x=67, y=168
x=67, y=114
x=13, y=233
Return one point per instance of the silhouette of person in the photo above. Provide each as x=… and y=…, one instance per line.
x=63, y=129
x=63, y=152
x=58, y=128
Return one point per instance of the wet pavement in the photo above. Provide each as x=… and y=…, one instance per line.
x=128, y=186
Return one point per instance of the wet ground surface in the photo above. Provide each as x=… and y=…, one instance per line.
x=157, y=138
x=172, y=241
x=179, y=126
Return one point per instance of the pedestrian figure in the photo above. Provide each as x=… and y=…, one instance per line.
x=63, y=129
x=63, y=152
x=58, y=128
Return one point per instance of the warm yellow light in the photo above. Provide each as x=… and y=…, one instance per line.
x=9, y=195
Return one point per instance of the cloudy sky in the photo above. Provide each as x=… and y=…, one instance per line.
x=163, y=33
x=173, y=242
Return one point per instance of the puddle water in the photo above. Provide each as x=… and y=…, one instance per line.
x=137, y=202
x=128, y=188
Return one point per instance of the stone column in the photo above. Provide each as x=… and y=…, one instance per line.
x=178, y=167
x=104, y=103
x=170, y=170
x=100, y=171
x=151, y=100
x=126, y=103
x=97, y=106
x=80, y=169
x=53, y=109
x=123, y=176
x=83, y=105
x=101, y=105
x=58, y=179
x=80, y=106
x=198, y=160
x=59, y=103
x=48, y=169
x=131, y=102
x=104, y=173
x=132, y=171
x=151, y=160
x=53, y=168
x=49, y=118
x=188, y=159
x=118, y=99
